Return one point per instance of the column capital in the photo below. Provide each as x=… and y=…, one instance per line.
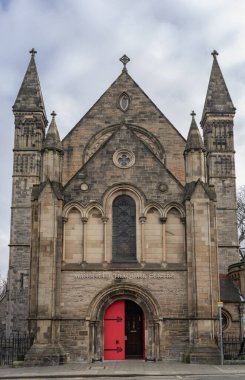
x=105, y=219
x=183, y=220
x=163, y=220
x=84, y=220
x=142, y=219
x=64, y=220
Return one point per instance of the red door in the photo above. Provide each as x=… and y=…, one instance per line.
x=114, y=331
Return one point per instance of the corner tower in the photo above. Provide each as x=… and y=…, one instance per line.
x=217, y=124
x=30, y=123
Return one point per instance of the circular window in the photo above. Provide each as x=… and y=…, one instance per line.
x=123, y=158
x=225, y=320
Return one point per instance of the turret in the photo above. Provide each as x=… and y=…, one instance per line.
x=52, y=154
x=30, y=124
x=217, y=124
x=194, y=154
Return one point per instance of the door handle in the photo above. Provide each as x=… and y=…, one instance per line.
x=118, y=319
x=118, y=349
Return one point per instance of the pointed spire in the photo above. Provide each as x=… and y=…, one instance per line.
x=218, y=99
x=52, y=140
x=30, y=96
x=194, y=139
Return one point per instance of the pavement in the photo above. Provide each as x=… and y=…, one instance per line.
x=122, y=369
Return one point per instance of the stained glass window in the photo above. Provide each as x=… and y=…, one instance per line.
x=124, y=229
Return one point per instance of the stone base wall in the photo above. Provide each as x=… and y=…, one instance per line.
x=174, y=339
x=74, y=338
x=167, y=288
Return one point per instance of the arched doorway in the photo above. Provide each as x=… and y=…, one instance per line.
x=124, y=332
x=122, y=292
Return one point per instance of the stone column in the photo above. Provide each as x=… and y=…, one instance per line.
x=105, y=220
x=84, y=250
x=142, y=222
x=64, y=220
x=151, y=341
x=156, y=339
x=164, y=254
x=183, y=221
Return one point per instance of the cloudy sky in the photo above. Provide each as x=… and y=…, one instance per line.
x=79, y=43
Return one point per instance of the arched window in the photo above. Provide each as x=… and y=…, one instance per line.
x=123, y=229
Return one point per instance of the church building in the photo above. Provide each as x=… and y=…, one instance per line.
x=124, y=233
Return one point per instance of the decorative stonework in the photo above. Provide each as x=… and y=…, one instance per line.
x=97, y=141
x=124, y=102
x=163, y=187
x=151, y=144
x=84, y=186
x=95, y=144
x=123, y=158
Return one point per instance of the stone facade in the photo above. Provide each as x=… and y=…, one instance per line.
x=72, y=253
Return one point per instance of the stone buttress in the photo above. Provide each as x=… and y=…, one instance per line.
x=47, y=204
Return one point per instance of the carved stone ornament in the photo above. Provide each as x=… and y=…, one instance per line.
x=124, y=101
x=123, y=158
x=84, y=186
x=95, y=144
x=163, y=187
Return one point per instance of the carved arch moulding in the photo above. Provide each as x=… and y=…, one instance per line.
x=83, y=209
x=96, y=142
x=116, y=292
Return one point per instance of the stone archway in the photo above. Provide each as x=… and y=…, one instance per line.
x=123, y=291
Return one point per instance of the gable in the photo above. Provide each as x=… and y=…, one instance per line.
x=101, y=172
x=47, y=187
x=199, y=189
x=106, y=113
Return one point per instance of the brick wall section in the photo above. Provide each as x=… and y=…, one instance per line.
x=175, y=339
x=74, y=338
x=77, y=293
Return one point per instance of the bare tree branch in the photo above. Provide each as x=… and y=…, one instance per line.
x=241, y=219
x=3, y=288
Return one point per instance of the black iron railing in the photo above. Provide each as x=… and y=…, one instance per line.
x=14, y=347
x=234, y=348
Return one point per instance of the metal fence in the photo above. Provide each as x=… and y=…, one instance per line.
x=14, y=347
x=234, y=348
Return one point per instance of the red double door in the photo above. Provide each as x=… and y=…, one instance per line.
x=123, y=331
